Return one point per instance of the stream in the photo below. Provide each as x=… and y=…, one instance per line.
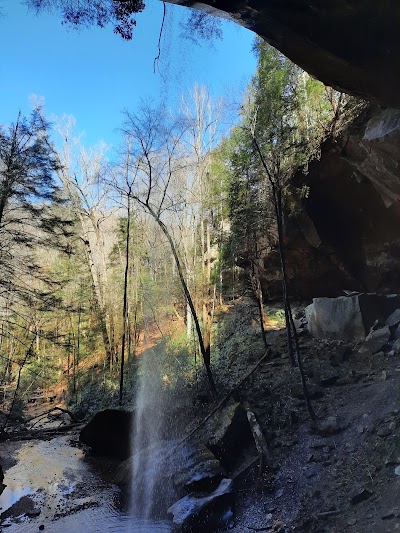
x=52, y=483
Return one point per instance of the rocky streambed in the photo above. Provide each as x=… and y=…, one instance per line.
x=53, y=486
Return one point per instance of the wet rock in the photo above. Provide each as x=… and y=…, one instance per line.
x=360, y=495
x=393, y=319
x=23, y=506
x=34, y=513
x=200, y=512
x=148, y=468
x=375, y=341
x=393, y=460
x=198, y=470
x=109, y=433
x=230, y=433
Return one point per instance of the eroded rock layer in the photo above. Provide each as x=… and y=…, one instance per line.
x=347, y=233
x=352, y=45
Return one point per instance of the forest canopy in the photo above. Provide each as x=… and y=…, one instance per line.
x=162, y=231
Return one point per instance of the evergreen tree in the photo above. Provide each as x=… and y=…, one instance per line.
x=30, y=201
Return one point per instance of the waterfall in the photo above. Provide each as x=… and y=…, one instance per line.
x=149, y=471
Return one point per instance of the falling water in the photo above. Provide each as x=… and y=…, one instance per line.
x=151, y=471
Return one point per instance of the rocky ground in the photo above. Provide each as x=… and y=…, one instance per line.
x=342, y=474
x=339, y=474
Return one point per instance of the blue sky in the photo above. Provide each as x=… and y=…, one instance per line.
x=93, y=74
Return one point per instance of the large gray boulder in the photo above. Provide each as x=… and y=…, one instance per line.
x=109, y=433
x=204, y=512
x=375, y=341
x=229, y=433
x=394, y=319
x=197, y=469
x=146, y=478
x=349, y=318
x=191, y=467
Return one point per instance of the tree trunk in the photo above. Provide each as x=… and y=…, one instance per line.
x=205, y=352
x=100, y=311
x=290, y=327
x=257, y=289
x=125, y=306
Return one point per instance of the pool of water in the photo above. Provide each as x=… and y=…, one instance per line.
x=53, y=484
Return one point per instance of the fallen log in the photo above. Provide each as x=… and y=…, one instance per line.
x=39, y=433
x=45, y=413
x=266, y=355
x=261, y=445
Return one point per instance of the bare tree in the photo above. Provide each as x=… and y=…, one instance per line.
x=123, y=182
x=202, y=115
x=82, y=174
x=155, y=140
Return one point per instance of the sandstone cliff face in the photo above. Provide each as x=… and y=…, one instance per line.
x=351, y=45
x=347, y=234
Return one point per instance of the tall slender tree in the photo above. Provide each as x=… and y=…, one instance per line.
x=155, y=139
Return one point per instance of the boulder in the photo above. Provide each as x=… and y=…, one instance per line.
x=146, y=479
x=230, y=433
x=169, y=471
x=330, y=426
x=109, y=433
x=393, y=319
x=396, y=346
x=375, y=341
x=349, y=318
x=336, y=318
x=360, y=495
x=191, y=467
x=200, y=512
x=197, y=469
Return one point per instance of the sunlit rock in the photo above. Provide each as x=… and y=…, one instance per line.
x=349, y=318
x=204, y=512
x=197, y=469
